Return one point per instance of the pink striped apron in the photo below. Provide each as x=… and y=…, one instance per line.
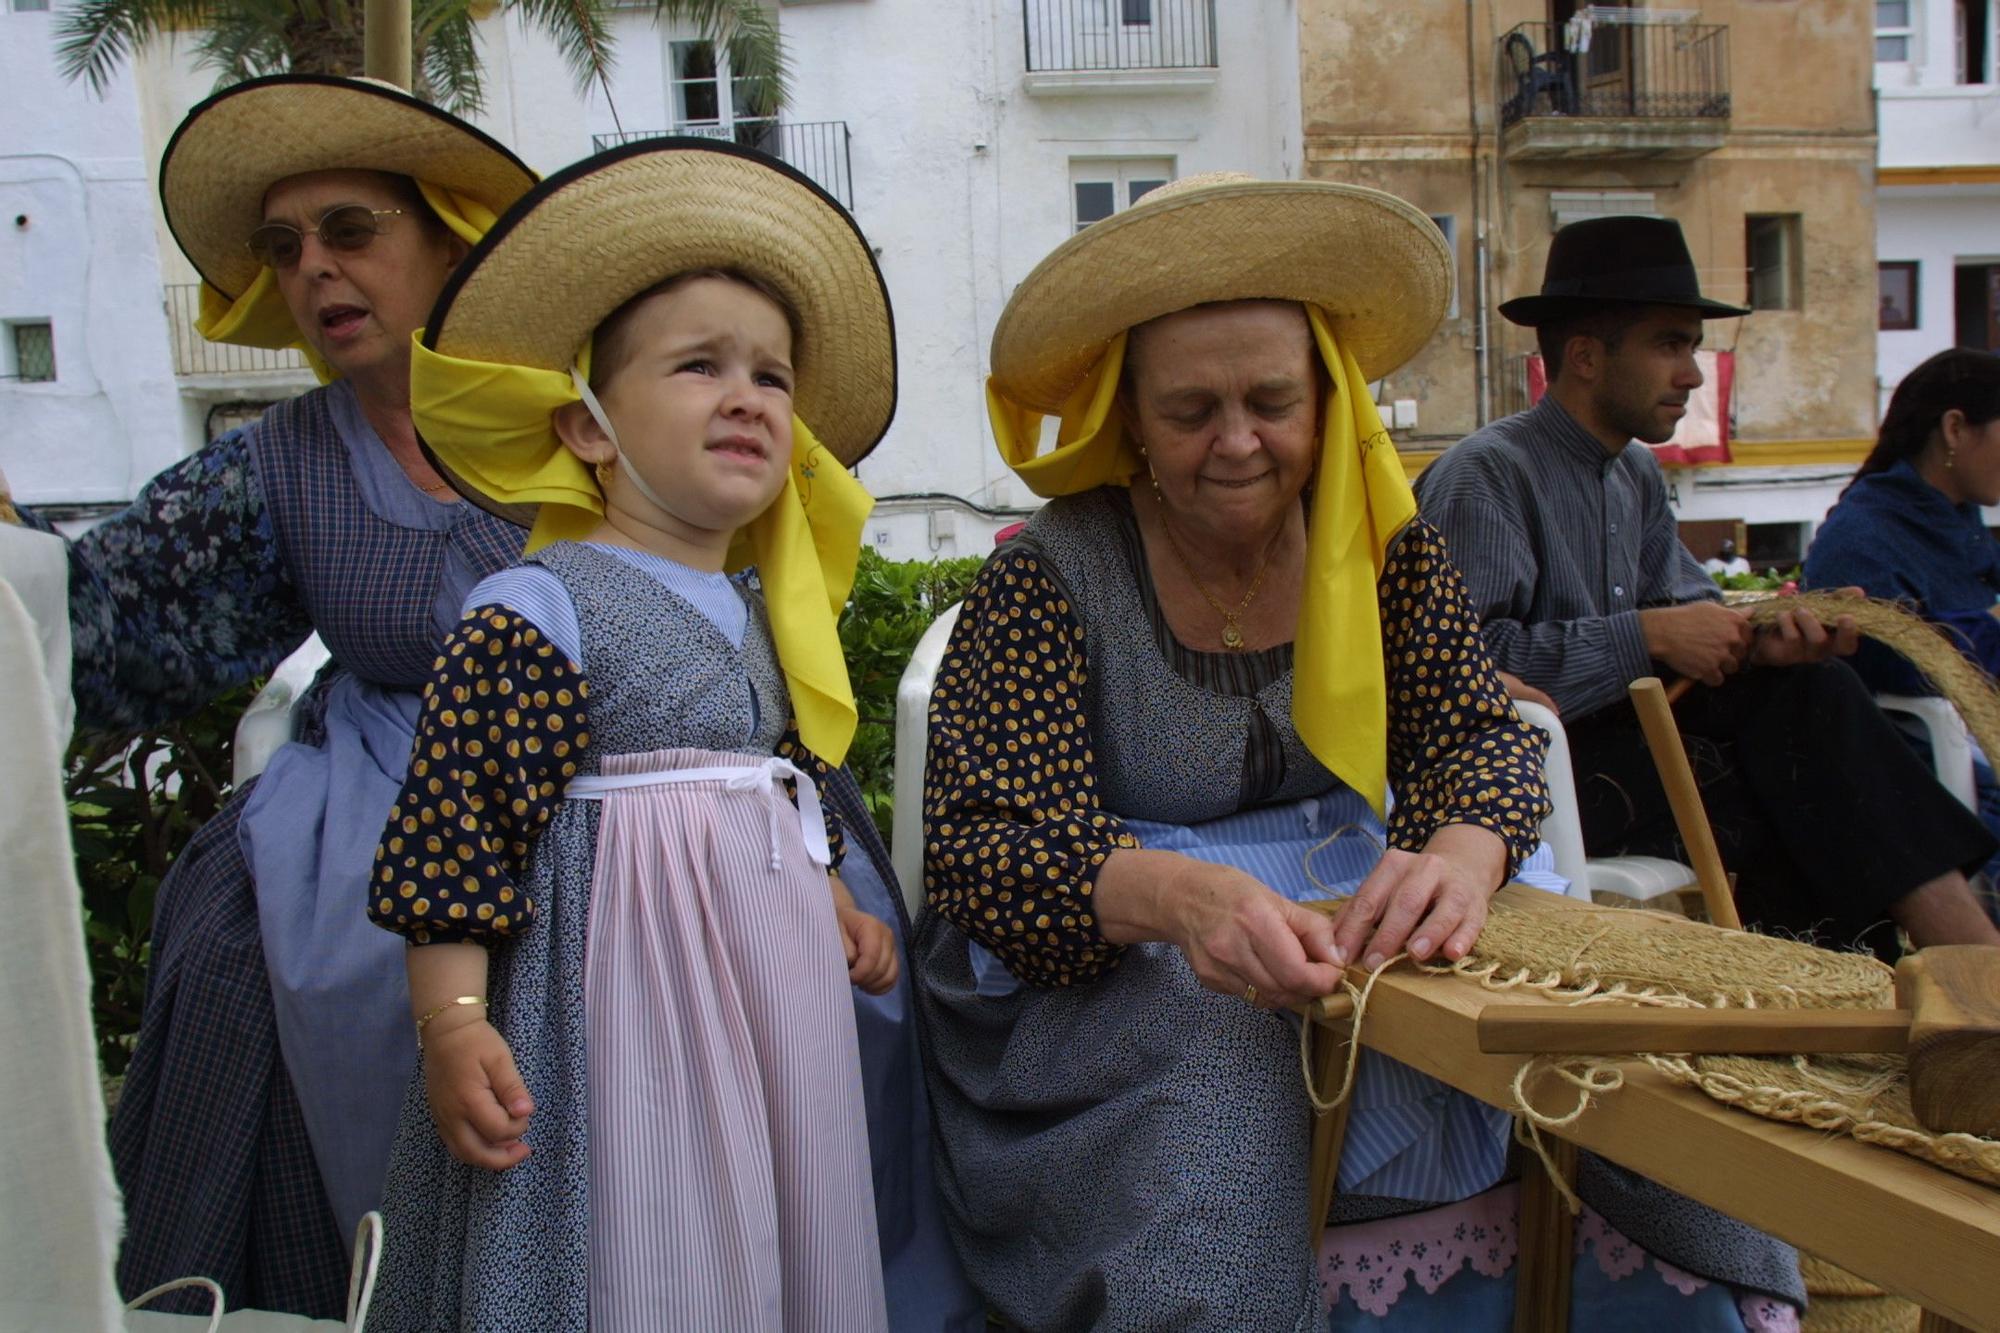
x=729, y=1172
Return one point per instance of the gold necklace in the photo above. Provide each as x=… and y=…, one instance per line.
x=1232, y=630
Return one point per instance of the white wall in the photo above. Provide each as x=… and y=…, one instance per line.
x=1929, y=119
x=86, y=259
x=1937, y=226
x=961, y=181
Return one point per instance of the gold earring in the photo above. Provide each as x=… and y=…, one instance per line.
x=603, y=471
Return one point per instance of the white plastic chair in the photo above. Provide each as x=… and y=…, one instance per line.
x=913, y=708
x=1639, y=878
x=267, y=722
x=1951, y=744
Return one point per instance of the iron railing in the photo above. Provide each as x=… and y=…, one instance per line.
x=1074, y=36
x=819, y=149
x=1642, y=71
x=196, y=355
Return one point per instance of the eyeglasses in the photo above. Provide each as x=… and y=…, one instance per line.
x=347, y=229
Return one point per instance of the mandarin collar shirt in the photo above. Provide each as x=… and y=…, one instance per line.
x=1561, y=546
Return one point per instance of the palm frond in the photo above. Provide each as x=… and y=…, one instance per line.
x=581, y=34
x=447, y=54
x=246, y=39
x=96, y=36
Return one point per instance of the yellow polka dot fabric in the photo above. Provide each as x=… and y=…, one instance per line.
x=483, y=781
x=1014, y=831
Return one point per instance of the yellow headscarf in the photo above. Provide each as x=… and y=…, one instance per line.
x=1361, y=500
x=491, y=425
x=260, y=318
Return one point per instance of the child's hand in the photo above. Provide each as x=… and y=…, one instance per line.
x=871, y=950
x=478, y=1100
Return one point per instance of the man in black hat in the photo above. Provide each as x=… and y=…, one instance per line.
x=1582, y=586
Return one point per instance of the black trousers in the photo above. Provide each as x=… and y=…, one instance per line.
x=1818, y=804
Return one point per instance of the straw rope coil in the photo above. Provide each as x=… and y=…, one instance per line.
x=1840, y=1302
x=1924, y=645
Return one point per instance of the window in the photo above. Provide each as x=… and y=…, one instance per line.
x=1099, y=187
x=1974, y=32
x=1567, y=206
x=1893, y=30
x=30, y=351
x=30, y=6
x=1772, y=245
x=1138, y=12
x=1448, y=224
x=1976, y=301
x=1898, y=279
x=698, y=76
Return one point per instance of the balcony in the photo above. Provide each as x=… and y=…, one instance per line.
x=195, y=357
x=817, y=149
x=1624, y=90
x=1118, y=46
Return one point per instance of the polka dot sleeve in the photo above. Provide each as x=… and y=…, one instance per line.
x=504, y=720
x=1458, y=753
x=1013, y=834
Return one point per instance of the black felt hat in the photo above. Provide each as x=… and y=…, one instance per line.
x=1616, y=261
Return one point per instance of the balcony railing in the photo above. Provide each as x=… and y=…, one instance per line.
x=1099, y=35
x=196, y=355
x=817, y=149
x=1628, y=71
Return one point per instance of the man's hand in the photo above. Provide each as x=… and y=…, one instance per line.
x=1798, y=637
x=1703, y=641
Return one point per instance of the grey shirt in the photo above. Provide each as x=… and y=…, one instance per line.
x=1561, y=545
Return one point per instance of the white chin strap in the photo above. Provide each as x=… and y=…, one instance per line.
x=603, y=421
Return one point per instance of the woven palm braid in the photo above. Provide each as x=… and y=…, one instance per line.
x=1621, y=954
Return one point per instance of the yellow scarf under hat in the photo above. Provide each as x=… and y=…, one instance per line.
x=260, y=318
x=1361, y=500
x=491, y=425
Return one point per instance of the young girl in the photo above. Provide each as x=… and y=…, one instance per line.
x=640, y=1104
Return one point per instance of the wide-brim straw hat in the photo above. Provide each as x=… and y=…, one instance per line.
x=234, y=147
x=1374, y=263
x=596, y=234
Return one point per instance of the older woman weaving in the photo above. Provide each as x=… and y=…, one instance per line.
x=1226, y=639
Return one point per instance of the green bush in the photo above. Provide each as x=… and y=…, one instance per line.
x=893, y=603
x=136, y=797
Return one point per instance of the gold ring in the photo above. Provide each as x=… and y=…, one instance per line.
x=1250, y=993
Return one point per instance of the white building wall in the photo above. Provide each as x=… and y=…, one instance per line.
x=77, y=248
x=1930, y=120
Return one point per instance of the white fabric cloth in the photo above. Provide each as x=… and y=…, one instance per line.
x=59, y=1222
x=37, y=565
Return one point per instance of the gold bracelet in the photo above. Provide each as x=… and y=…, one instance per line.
x=448, y=1004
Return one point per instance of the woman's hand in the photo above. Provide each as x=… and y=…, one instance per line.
x=1426, y=902
x=871, y=950
x=1237, y=934
x=478, y=1101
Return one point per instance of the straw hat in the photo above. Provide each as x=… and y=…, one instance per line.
x=1375, y=264
x=235, y=146
x=596, y=234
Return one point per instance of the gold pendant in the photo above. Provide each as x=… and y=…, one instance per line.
x=1232, y=637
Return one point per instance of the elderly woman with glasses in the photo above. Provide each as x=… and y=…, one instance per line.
x=256, y=1117
x=1220, y=670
